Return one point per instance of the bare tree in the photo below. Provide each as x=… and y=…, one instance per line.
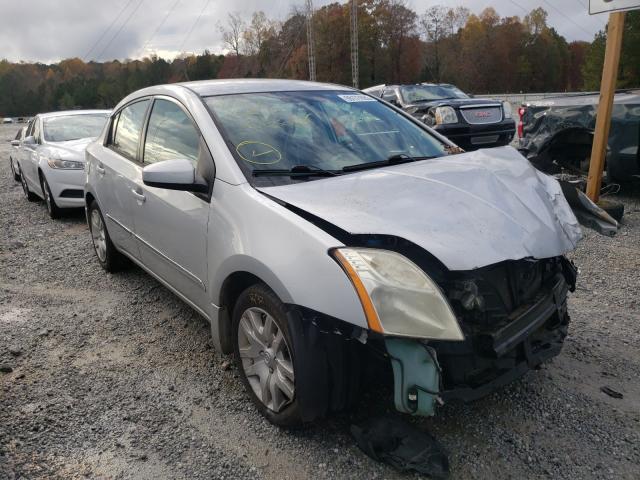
x=436, y=24
x=259, y=30
x=232, y=34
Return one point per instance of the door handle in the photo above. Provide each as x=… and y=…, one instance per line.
x=99, y=169
x=140, y=197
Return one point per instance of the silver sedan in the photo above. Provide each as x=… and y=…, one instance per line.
x=332, y=240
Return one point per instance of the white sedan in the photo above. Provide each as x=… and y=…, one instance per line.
x=51, y=157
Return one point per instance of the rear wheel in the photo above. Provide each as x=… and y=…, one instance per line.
x=53, y=210
x=32, y=197
x=110, y=259
x=264, y=355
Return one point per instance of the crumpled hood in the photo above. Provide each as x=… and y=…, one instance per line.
x=468, y=210
x=71, y=150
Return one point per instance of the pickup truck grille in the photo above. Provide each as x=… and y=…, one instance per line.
x=482, y=115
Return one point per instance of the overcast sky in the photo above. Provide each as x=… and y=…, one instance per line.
x=50, y=30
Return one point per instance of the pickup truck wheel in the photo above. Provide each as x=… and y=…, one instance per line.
x=110, y=259
x=264, y=355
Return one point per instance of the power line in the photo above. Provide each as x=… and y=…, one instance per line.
x=519, y=6
x=160, y=25
x=127, y=5
x=193, y=26
x=124, y=24
x=568, y=18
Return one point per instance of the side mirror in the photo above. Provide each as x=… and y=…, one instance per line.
x=30, y=140
x=174, y=175
x=15, y=143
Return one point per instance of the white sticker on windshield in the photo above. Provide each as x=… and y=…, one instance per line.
x=357, y=98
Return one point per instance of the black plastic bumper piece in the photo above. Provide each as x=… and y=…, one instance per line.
x=489, y=361
x=72, y=193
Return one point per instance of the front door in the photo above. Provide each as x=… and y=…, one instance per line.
x=171, y=226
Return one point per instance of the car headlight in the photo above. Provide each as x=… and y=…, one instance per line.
x=445, y=115
x=65, y=164
x=398, y=298
x=508, y=111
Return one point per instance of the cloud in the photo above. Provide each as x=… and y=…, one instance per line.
x=52, y=30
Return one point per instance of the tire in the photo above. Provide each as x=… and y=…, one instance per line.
x=110, y=259
x=52, y=209
x=264, y=356
x=15, y=174
x=30, y=196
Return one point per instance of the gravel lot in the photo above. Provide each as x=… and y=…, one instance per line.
x=111, y=376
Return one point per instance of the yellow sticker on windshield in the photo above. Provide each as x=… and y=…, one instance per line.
x=259, y=153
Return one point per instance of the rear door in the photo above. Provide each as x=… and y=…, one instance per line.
x=28, y=157
x=171, y=226
x=118, y=170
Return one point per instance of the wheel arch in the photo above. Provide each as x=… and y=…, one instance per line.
x=230, y=289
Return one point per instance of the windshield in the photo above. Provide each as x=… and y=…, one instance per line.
x=73, y=127
x=326, y=130
x=428, y=93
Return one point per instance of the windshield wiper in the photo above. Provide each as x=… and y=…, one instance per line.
x=392, y=160
x=299, y=171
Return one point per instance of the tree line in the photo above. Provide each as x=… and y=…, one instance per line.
x=483, y=53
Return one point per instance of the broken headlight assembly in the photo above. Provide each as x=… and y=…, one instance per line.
x=398, y=298
x=445, y=115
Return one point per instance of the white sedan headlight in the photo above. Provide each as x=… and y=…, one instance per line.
x=445, y=115
x=398, y=298
x=65, y=164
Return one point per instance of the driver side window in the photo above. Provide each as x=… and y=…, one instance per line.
x=171, y=135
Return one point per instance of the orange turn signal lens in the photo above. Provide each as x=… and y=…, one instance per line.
x=367, y=305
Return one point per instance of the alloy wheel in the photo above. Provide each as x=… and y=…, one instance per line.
x=266, y=359
x=98, y=235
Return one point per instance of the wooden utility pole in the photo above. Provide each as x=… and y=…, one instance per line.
x=605, y=107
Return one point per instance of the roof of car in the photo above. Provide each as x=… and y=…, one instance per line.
x=66, y=113
x=206, y=88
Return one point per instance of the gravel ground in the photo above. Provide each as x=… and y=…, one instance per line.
x=111, y=376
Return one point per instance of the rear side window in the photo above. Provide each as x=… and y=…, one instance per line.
x=36, y=131
x=126, y=136
x=171, y=135
x=30, y=128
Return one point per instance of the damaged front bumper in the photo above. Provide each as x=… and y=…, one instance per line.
x=488, y=359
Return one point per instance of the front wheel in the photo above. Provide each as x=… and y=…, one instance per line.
x=264, y=355
x=52, y=209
